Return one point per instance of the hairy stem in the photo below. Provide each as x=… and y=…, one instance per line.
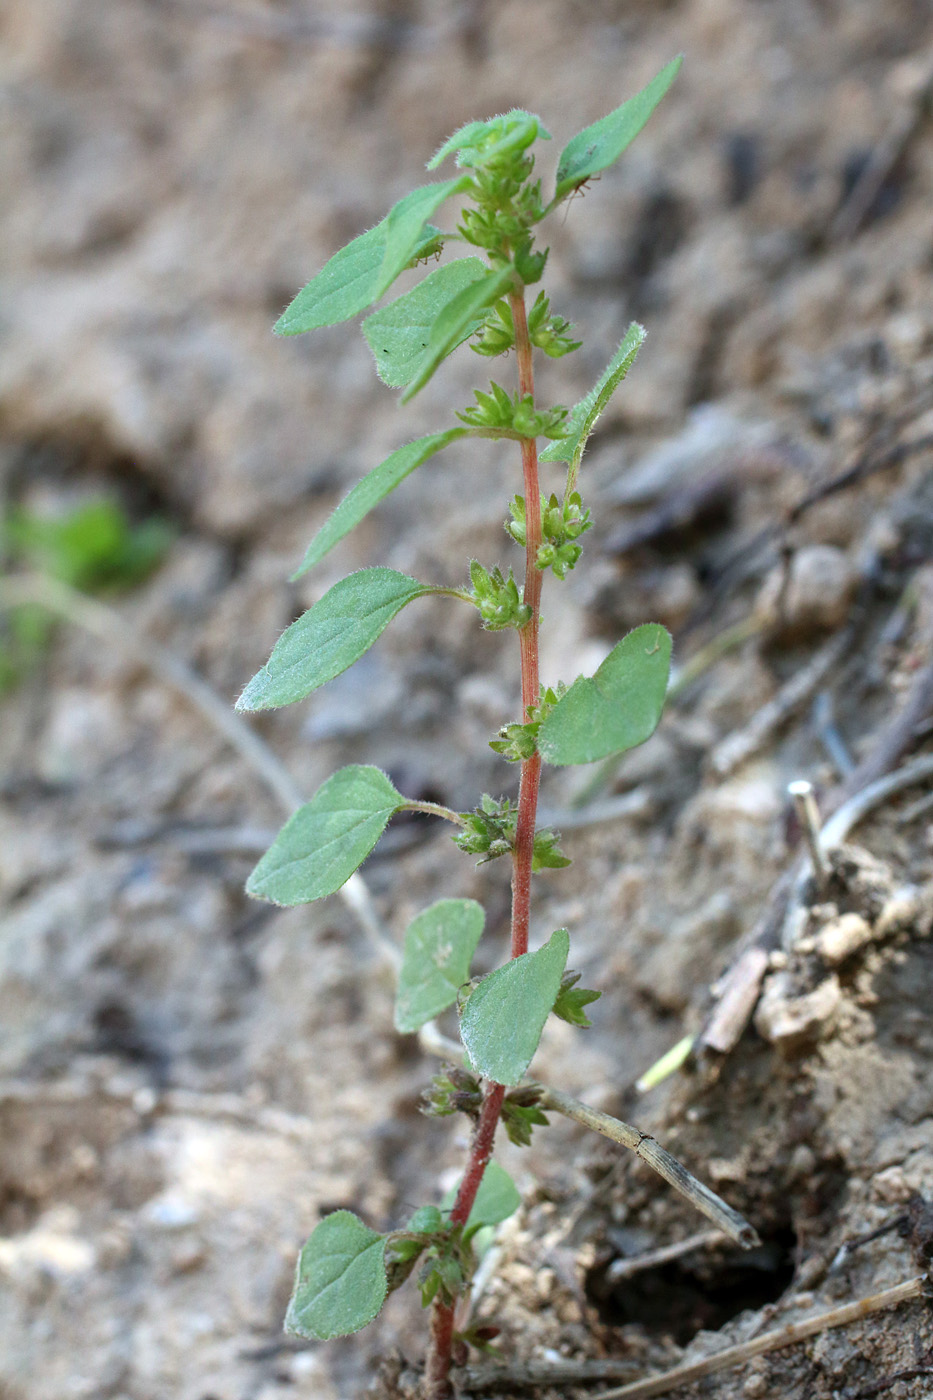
x=437, y=1373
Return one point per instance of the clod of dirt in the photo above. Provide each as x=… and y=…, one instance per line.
x=842, y=937
x=790, y=1020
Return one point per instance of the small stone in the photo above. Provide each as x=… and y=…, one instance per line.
x=891, y=1187
x=802, y=1162
x=838, y=940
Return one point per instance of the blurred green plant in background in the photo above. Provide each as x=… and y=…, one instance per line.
x=93, y=547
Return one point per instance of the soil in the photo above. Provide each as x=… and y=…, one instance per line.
x=189, y=1079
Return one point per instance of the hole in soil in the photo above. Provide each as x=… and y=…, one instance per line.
x=701, y=1291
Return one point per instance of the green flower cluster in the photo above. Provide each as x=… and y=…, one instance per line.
x=499, y=599
x=490, y=833
x=546, y=332
x=500, y=414
x=562, y=524
x=517, y=742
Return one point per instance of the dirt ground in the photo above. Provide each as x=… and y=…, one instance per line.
x=189, y=1079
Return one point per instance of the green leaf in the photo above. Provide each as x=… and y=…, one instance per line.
x=374, y=487
x=439, y=944
x=405, y=222
x=599, y=145
x=340, y=1282
x=571, y=1000
x=584, y=414
x=329, y=637
x=502, y=1020
x=496, y=1199
x=617, y=708
x=398, y=334
x=363, y=271
x=453, y=323
x=328, y=838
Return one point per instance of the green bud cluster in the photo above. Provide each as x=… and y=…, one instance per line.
x=517, y=742
x=490, y=833
x=498, y=599
x=562, y=524
x=490, y=829
x=549, y=333
x=453, y=1090
x=546, y=332
x=446, y=1257
x=547, y=854
x=520, y=1114
x=500, y=414
x=446, y=1269
x=497, y=333
x=507, y=203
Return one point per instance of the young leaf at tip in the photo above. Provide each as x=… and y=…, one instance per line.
x=490, y=141
x=615, y=709
x=398, y=334
x=439, y=944
x=455, y=322
x=600, y=145
x=583, y=415
x=329, y=637
x=503, y=1017
x=373, y=488
x=327, y=839
x=340, y=1281
x=364, y=270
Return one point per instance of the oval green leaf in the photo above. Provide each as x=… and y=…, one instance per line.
x=340, y=1282
x=583, y=415
x=502, y=1019
x=453, y=323
x=496, y=1199
x=599, y=145
x=328, y=838
x=330, y=636
x=615, y=709
x=398, y=334
x=363, y=271
x=439, y=945
x=374, y=487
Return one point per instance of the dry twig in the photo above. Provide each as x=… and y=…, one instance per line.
x=656, y=1157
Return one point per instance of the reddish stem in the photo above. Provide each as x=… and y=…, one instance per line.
x=437, y=1373
x=528, y=641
